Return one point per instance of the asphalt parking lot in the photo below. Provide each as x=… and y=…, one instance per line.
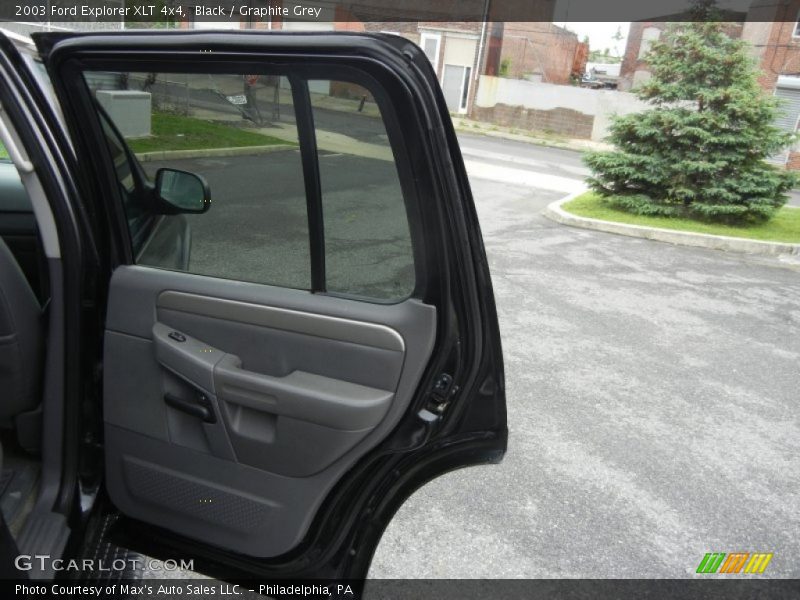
x=653, y=399
x=653, y=406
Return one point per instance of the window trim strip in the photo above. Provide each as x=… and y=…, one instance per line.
x=307, y=139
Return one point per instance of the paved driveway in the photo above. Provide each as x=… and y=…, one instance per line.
x=653, y=396
x=652, y=391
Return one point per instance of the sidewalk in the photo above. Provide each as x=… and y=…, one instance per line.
x=465, y=125
x=233, y=85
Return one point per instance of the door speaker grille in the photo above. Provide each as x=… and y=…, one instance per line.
x=153, y=484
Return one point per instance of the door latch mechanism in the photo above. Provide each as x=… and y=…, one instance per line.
x=441, y=393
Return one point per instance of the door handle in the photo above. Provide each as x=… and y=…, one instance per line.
x=201, y=408
x=188, y=357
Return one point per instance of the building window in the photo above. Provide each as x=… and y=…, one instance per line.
x=649, y=35
x=430, y=43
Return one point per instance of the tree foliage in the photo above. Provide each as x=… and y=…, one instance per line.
x=700, y=150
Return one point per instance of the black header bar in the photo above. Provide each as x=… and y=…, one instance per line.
x=235, y=12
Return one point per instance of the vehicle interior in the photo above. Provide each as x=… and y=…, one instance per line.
x=277, y=365
x=24, y=303
x=24, y=295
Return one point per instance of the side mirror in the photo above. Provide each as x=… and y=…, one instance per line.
x=182, y=191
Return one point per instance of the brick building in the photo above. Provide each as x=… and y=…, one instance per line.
x=773, y=29
x=543, y=52
x=642, y=34
x=459, y=51
x=455, y=49
x=634, y=68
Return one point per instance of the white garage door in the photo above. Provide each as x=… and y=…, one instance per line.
x=455, y=85
x=788, y=90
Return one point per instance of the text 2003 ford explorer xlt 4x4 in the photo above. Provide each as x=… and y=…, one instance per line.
x=246, y=309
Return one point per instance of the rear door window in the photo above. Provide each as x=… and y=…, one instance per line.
x=240, y=133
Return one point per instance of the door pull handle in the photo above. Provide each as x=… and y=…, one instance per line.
x=201, y=407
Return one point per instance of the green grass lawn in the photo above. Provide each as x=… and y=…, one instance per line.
x=174, y=132
x=3, y=153
x=783, y=227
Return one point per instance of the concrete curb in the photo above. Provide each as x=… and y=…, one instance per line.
x=212, y=152
x=554, y=212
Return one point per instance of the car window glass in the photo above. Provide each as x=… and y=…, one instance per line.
x=239, y=133
x=367, y=241
x=136, y=211
x=256, y=229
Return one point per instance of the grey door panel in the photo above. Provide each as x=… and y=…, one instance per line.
x=335, y=414
x=295, y=387
x=300, y=395
x=136, y=403
x=276, y=352
x=141, y=286
x=230, y=505
x=272, y=420
x=344, y=330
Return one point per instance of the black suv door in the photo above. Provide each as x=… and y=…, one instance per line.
x=331, y=343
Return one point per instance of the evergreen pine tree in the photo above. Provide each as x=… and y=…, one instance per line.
x=700, y=150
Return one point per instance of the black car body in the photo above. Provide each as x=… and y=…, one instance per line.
x=264, y=430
